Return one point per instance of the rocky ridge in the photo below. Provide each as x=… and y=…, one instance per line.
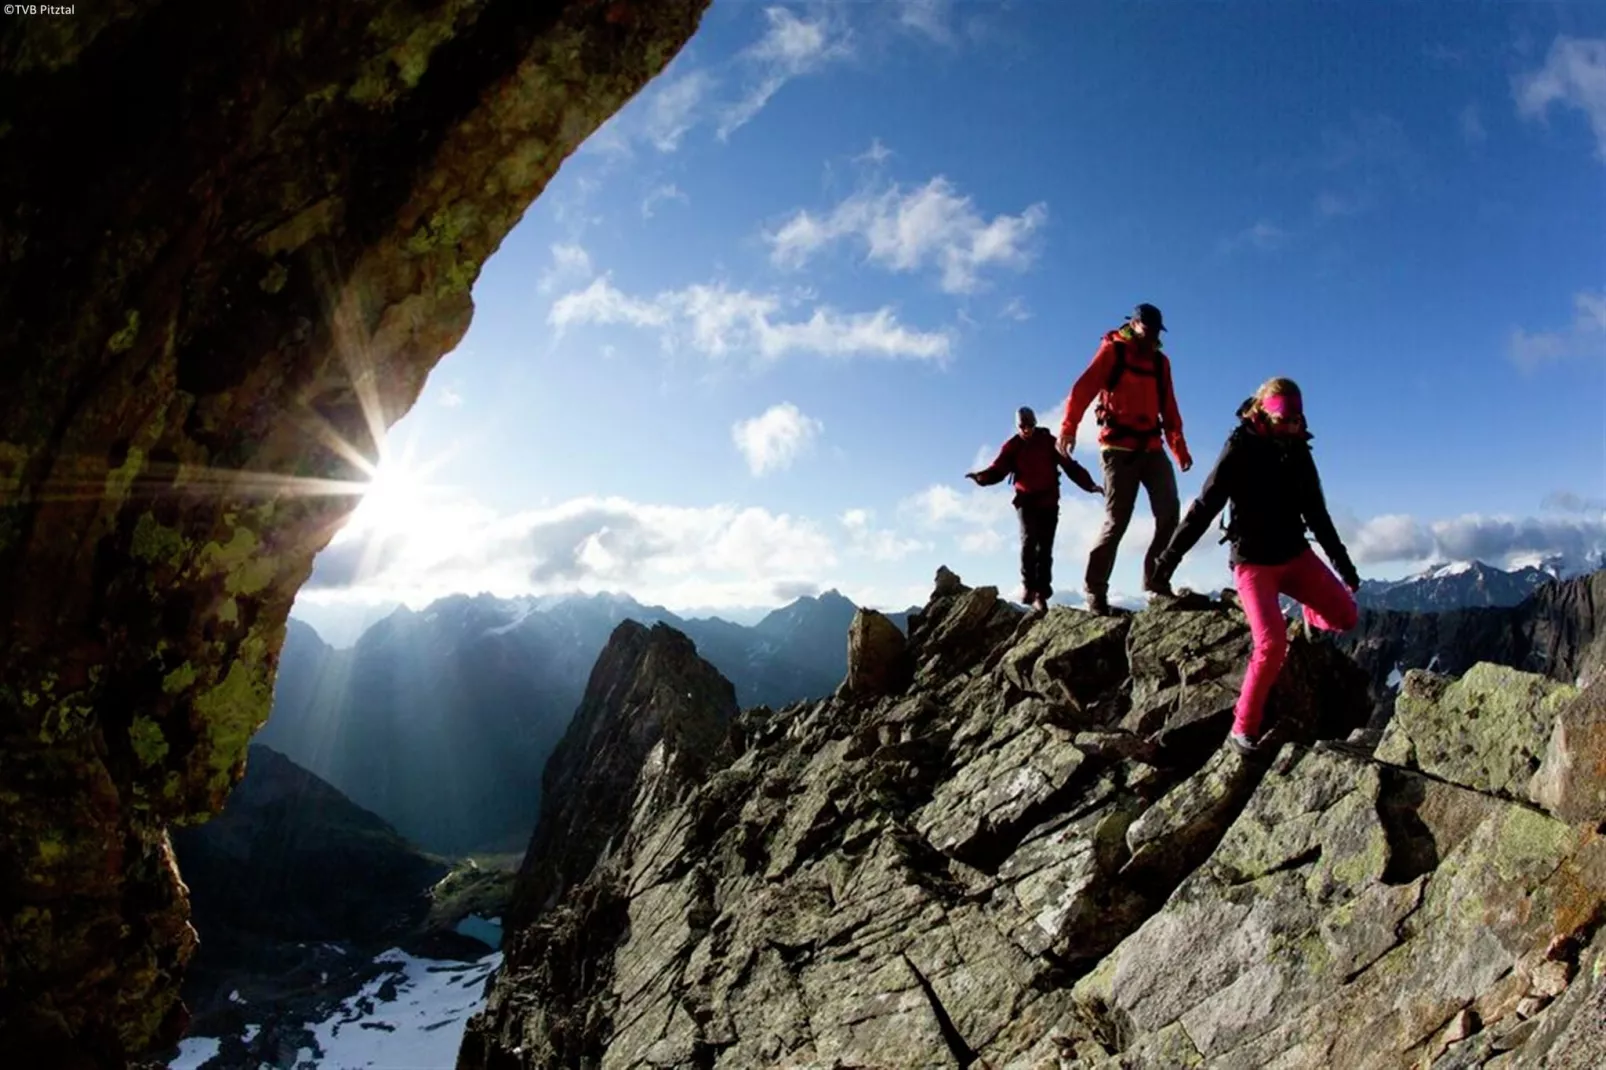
x=1038, y=855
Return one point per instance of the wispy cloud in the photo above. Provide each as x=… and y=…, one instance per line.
x=720, y=322
x=876, y=155
x=658, y=195
x=1330, y=205
x=1566, y=501
x=775, y=438
x=1472, y=130
x=910, y=230
x=1573, y=75
x=1015, y=309
x=1495, y=540
x=570, y=264
x=791, y=48
x=930, y=18
x=1263, y=236
x=672, y=110
x=1584, y=337
x=451, y=399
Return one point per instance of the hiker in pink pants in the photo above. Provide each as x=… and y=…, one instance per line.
x=1267, y=473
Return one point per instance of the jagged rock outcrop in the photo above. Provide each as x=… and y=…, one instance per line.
x=878, y=657
x=653, y=715
x=916, y=879
x=1041, y=857
x=234, y=239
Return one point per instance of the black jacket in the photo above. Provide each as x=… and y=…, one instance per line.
x=1276, y=494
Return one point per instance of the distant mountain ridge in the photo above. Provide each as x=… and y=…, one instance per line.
x=1454, y=585
x=442, y=719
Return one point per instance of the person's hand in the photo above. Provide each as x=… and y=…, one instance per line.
x=1352, y=580
x=974, y=477
x=1184, y=458
x=1067, y=442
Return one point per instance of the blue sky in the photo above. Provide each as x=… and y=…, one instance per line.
x=756, y=330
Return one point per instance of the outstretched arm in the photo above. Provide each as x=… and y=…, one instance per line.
x=1201, y=511
x=1320, y=523
x=1087, y=387
x=1002, y=465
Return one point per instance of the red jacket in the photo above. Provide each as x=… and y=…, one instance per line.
x=1141, y=409
x=1035, y=463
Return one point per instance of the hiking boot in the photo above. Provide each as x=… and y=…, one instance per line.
x=1249, y=748
x=1040, y=604
x=1098, y=604
x=1159, y=589
x=1025, y=597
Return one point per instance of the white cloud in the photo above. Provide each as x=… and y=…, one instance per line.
x=791, y=48
x=675, y=555
x=1472, y=130
x=1584, y=337
x=602, y=303
x=660, y=194
x=1574, y=74
x=570, y=264
x=672, y=109
x=876, y=155
x=774, y=439
x=1495, y=540
x=928, y=17
x=720, y=322
x=451, y=399
x=878, y=544
x=931, y=226
x=1016, y=310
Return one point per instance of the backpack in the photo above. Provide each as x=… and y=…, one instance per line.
x=1101, y=414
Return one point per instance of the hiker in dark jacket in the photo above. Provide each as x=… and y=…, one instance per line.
x=1031, y=458
x=1131, y=379
x=1268, y=474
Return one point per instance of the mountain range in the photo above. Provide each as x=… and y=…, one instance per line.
x=441, y=720
x=1468, y=584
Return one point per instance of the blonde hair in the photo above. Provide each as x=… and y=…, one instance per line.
x=1277, y=386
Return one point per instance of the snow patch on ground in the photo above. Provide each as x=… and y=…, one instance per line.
x=193, y=1051
x=1395, y=676
x=421, y=1025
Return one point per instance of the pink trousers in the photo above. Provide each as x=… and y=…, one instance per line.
x=1328, y=605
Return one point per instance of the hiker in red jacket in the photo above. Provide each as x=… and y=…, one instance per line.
x=1268, y=474
x=1137, y=408
x=1030, y=457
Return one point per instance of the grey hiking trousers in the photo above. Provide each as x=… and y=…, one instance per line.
x=1124, y=472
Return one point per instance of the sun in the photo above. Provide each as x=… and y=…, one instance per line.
x=393, y=500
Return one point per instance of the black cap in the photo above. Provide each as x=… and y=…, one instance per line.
x=1149, y=316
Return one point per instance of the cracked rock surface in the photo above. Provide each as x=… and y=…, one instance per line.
x=1040, y=855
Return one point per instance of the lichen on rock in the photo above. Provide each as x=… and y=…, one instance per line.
x=286, y=211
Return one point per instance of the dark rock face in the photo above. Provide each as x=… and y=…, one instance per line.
x=232, y=237
x=653, y=716
x=1557, y=633
x=905, y=880
x=291, y=858
x=290, y=869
